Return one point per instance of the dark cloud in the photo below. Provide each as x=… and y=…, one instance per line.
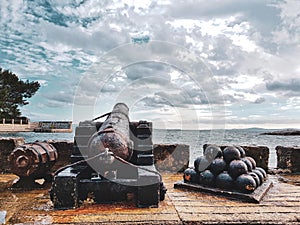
x=57, y=99
x=156, y=101
x=147, y=69
x=291, y=85
x=259, y=100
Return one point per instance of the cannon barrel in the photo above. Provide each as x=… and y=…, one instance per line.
x=32, y=159
x=113, y=134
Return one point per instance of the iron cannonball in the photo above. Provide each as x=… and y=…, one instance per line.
x=252, y=161
x=236, y=168
x=231, y=153
x=245, y=183
x=190, y=175
x=259, y=174
x=207, y=178
x=212, y=151
x=201, y=163
x=264, y=173
x=256, y=178
x=224, y=181
x=248, y=163
x=242, y=151
x=217, y=166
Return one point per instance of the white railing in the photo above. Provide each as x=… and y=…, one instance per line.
x=17, y=127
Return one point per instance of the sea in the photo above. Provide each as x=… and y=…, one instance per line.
x=194, y=138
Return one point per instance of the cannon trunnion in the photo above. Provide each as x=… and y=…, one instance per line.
x=111, y=161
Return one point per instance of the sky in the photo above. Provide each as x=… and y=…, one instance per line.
x=182, y=64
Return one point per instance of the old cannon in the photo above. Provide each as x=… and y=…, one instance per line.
x=32, y=161
x=111, y=161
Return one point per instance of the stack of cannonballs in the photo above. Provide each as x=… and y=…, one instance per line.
x=229, y=169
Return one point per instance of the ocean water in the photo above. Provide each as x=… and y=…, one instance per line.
x=194, y=138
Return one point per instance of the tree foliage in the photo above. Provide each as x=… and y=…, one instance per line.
x=14, y=93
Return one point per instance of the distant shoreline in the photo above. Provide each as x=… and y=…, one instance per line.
x=287, y=132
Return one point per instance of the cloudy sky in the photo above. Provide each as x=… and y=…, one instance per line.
x=186, y=64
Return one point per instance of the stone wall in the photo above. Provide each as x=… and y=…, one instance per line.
x=64, y=150
x=172, y=157
x=288, y=158
x=7, y=145
x=167, y=157
x=260, y=154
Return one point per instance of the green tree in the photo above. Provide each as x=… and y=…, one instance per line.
x=14, y=93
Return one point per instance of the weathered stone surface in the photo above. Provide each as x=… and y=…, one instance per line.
x=64, y=150
x=280, y=206
x=7, y=145
x=6, y=181
x=171, y=157
x=259, y=153
x=288, y=158
x=167, y=157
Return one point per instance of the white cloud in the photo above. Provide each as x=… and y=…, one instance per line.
x=251, y=48
x=288, y=32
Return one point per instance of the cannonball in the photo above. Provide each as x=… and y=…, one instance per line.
x=207, y=178
x=236, y=168
x=264, y=173
x=190, y=175
x=231, y=153
x=201, y=163
x=242, y=151
x=212, y=151
x=245, y=183
x=252, y=161
x=256, y=178
x=248, y=163
x=224, y=181
x=217, y=166
x=259, y=174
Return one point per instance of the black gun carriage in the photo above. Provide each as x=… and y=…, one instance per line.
x=111, y=161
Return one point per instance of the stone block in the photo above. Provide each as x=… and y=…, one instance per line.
x=64, y=150
x=7, y=145
x=171, y=157
x=288, y=158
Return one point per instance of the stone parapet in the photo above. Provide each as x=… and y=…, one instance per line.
x=288, y=158
x=7, y=145
x=171, y=157
x=167, y=157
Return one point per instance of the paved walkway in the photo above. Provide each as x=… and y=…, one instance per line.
x=280, y=206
